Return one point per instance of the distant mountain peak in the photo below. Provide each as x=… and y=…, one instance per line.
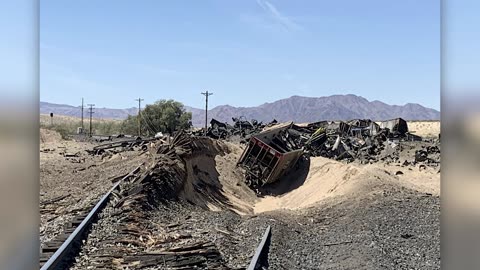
x=295, y=108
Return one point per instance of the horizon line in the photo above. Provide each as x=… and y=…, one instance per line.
x=186, y=105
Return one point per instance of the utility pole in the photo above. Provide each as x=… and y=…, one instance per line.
x=206, y=94
x=91, y=112
x=138, y=117
x=82, y=116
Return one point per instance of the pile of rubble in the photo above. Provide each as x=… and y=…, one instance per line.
x=360, y=139
x=128, y=238
x=241, y=128
x=123, y=144
x=428, y=154
x=273, y=151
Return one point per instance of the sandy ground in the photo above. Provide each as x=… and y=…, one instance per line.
x=317, y=180
x=329, y=178
x=214, y=180
x=325, y=215
x=424, y=128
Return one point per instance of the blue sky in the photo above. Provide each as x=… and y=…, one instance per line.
x=246, y=52
x=461, y=47
x=18, y=50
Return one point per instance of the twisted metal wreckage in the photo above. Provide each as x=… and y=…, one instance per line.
x=273, y=149
x=273, y=152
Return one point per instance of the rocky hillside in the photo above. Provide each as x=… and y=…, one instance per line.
x=308, y=109
x=295, y=108
x=68, y=110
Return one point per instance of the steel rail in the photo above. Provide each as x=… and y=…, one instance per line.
x=261, y=254
x=62, y=253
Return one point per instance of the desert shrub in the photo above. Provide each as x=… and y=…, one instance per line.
x=63, y=129
x=107, y=127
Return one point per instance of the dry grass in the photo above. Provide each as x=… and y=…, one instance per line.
x=69, y=120
x=68, y=124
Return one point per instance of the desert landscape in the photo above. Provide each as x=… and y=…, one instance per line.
x=241, y=135
x=183, y=202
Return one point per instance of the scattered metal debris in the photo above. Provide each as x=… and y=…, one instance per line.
x=274, y=151
x=241, y=128
x=122, y=145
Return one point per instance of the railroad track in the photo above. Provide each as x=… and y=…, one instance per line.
x=58, y=253
x=260, y=259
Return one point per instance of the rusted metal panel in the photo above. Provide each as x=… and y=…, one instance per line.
x=268, y=155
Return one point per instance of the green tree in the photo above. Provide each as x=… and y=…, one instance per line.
x=165, y=116
x=108, y=127
x=129, y=125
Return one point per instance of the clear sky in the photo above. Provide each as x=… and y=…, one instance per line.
x=246, y=52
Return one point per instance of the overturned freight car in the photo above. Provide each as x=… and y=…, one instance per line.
x=269, y=155
x=397, y=126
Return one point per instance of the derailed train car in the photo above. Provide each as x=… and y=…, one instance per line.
x=268, y=156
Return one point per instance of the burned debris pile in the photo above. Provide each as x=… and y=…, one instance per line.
x=429, y=155
x=163, y=178
x=359, y=139
x=274, y=151
x=172, y=173
x=241, y=128
x=159, y=183
x=122, y=144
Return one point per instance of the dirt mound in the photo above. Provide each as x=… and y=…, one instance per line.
x=49, y=136
x=203, y=172
x=329, y=179
x=198, y=170
x=213, y=180
x=325, y=178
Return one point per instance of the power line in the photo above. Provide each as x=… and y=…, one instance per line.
x=150, y=129
x=206, y=94
x=138, y=118
x=82, y=115
x=149, y=122
x=90, y=111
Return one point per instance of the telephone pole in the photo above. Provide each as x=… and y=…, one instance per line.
x=206, y=94
x=82, y=116
x=138, y=117
x=91, y=112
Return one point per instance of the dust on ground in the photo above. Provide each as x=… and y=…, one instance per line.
x=327, y=213
x=71, y=181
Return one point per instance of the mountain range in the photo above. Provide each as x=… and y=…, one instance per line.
x=296, y=108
